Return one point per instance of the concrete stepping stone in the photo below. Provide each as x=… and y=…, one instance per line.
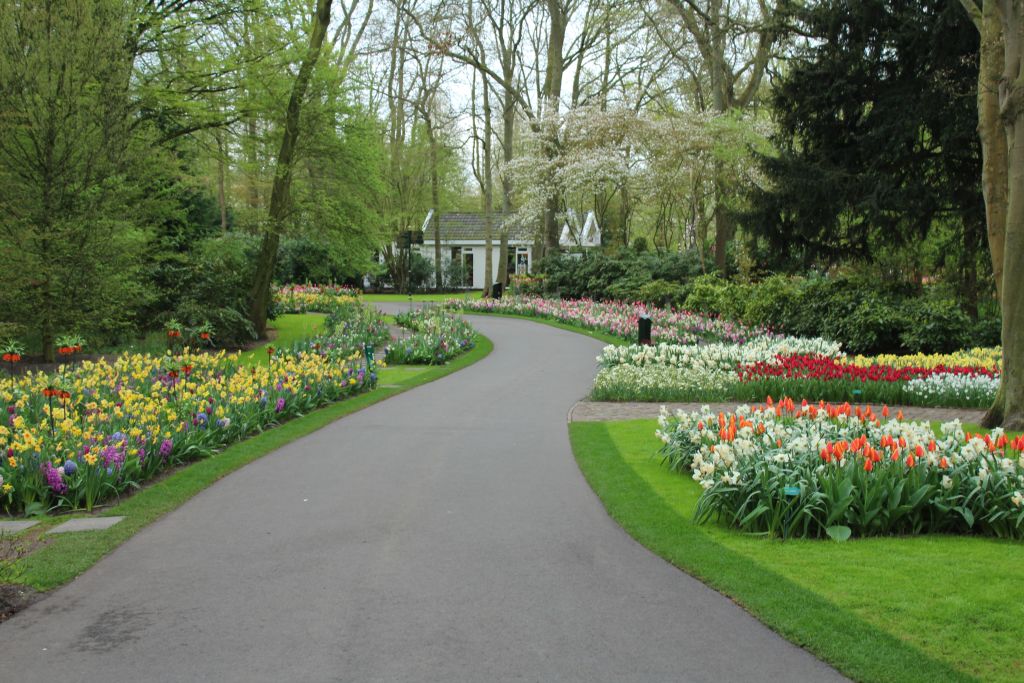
x=85, y=524
x=15, y=526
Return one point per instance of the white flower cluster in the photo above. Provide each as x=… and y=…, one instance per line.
x=949, y=386
x=633, y=383
x=723, y=357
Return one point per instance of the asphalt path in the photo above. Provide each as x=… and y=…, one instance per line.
x=445, y=534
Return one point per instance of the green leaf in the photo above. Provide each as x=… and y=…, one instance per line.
x=838, y=533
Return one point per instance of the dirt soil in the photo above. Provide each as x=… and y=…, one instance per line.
x=14, y=598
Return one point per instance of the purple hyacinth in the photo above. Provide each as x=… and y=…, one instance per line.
x=280, y=405
x=112, y=456
x=165, y=448
x=54, y=478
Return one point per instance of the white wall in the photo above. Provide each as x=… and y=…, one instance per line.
x=479, y=254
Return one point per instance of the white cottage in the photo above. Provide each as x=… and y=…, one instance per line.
x=462, y=240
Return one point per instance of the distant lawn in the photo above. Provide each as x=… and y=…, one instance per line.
x=926, y=608
x=399, y=298
x=289, y=329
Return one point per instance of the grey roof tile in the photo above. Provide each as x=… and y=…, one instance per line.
x=458, y=226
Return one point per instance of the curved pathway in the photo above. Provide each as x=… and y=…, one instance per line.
x=443, y=535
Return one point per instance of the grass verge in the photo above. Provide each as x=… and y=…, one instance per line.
x=926, y=608
x=65, y=556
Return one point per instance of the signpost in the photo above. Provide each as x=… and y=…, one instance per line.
x=790, y=492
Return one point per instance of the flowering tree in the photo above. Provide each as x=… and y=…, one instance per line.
x=670, y=166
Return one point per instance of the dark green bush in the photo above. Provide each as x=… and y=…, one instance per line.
x=217, y=288
x=705, y=295
x=938, y=325
x=662, y=293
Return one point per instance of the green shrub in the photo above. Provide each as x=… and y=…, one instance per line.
x=935, y=326
x=662, y=293
x=217, y=290
x=714, y=295
x=773, y=301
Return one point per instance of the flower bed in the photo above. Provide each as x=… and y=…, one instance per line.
x=311, y=298
x=438, y=336
x=93, y=431
x=976, y=357
x=811, y=368
x=834, y=379
x=823, y=470
x=619, y=319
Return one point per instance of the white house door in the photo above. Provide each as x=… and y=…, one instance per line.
x=522, y=261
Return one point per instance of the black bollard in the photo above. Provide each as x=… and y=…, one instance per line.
x=643, y=325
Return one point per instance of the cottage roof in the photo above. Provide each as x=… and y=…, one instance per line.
x=458, y=226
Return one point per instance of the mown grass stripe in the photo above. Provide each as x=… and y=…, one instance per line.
x=856, y=648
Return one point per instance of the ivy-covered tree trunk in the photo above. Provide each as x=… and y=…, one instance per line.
x=259, y=296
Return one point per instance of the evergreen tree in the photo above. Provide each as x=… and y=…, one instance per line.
x=876, y=133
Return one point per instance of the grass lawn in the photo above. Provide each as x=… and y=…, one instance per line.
x=926, y=608
x=404, y=298
x=65, y=556
x=290, y=328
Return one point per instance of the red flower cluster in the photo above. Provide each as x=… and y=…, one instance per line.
x=823, y=367
x=50, y=392
x=173, y=333
x=11, y=357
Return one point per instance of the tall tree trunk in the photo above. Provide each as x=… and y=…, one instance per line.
x=508, y=127
x=993, y=139
x=1001, y=128
x=221, y=181
x=435, y=203
x=259, y=295
x=488, y=193
x=1009, y=411
x=503, y=257
x=552, y=93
